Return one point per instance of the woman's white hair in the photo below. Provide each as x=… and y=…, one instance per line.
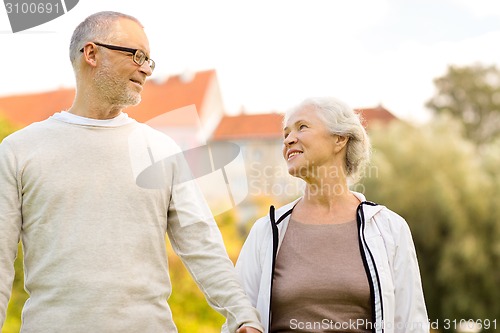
x=340, y=119
x=97, y=27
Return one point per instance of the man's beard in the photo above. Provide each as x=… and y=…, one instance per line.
x=114, y=90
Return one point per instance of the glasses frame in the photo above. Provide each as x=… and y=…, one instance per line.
x=135, y=56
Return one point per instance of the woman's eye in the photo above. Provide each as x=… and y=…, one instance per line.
x=302, y=126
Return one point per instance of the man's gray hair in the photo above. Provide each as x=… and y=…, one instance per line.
x=340, y=119
x=96, y=27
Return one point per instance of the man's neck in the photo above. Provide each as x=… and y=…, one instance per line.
x=95, y=114
x=94, y=108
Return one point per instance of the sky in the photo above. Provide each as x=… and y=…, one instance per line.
x=271, y=54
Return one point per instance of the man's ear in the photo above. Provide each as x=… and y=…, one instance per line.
x=90, y=54
x=340, y=142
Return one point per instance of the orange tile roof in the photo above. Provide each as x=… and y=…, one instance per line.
x=181, y=117
x=22, y=110
x=246, y=126
x=378, y=114
x=157, y=98
x=176, y=92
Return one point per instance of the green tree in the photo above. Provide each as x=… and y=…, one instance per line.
x=472, y=95
x=6, y=127
x=436, y=179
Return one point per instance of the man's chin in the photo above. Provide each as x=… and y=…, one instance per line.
x=132, y=101
x=136, y=101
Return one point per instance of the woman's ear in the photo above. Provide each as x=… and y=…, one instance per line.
x=340, y=142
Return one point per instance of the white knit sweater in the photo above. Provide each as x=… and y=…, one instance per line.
x=94, y=240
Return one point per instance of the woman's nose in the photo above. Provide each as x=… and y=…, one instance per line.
x=290, y=139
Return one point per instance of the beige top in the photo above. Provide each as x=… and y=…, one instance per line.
x=320, y=284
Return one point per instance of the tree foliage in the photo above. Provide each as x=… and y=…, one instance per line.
x=6, y=127
x=448, y=192
x=472, y=95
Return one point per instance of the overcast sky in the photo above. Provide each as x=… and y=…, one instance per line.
x=270, y=54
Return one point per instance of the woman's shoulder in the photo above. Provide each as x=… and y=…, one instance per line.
x=390, y=215
x=391, y=222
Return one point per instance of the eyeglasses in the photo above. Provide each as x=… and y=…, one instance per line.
x=138, y=55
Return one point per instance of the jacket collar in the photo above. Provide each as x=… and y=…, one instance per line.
x=282, y=210
x=369, y=211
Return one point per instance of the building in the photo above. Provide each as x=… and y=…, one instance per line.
x=259, y=137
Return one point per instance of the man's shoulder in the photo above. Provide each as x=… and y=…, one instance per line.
x=32, y=130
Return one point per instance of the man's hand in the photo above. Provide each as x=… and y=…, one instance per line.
x=246, y=329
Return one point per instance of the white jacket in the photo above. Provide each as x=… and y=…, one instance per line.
x=388, y=253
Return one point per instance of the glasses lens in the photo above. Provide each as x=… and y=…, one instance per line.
x=152, y=65
x=139, y=57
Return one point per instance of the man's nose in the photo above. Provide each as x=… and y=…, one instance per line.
x=146, y=68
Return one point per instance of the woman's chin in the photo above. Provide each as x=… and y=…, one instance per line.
x=296, y=172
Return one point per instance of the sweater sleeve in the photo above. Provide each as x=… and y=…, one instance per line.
x=10, y=224
x=196, y=238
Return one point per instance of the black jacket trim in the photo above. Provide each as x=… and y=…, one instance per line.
x=371, y=270
x=274, y=226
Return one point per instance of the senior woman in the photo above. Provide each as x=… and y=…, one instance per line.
x=331, y=261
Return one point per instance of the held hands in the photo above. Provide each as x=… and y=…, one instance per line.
x=246, y=329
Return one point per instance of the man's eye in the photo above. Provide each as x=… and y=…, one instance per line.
x=302, y=126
